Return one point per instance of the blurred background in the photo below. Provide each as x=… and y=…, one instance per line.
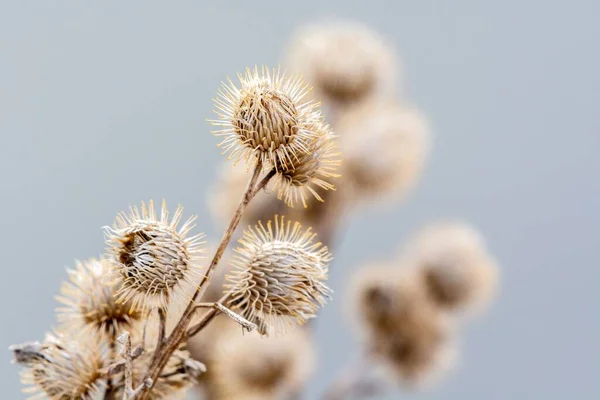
x=103, y=105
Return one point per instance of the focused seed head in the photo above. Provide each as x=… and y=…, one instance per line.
x=310, y=170
x=279, y=275
x=89, y=301
x=153, y=258
x=385, y=147
x=66, y=368
x=344, y=61
x=265, y=117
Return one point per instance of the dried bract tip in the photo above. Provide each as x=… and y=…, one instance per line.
x=152, y=257
x=310, y=170
x=455, y=266
x=65, y=368
x=279, y=275
x=403, y=329
x=253, y=367
x=344, y=61
x=384, y=148
x=89, y=300
x=265, y=117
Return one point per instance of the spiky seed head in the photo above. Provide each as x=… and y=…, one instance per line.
x=455, y=265
x=345, y=62
x=310, y=170
x=279, y=275
x=67, y=368
x=265, y=117
x=153, y=258
x=384, y=146
x=253, y=367
x=89, y=301
x=402, y=327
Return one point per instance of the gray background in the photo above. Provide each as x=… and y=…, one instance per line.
x=103, y=104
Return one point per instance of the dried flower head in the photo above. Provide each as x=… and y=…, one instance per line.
x=152, y=257
x=403, y=328
x=279, y=275
x=345, y=61
x=178, y=376
x=266, y=117
x=66, y=368
x=384, y=148
x=314, y=168
x=455, y=266
x=90, y=302
x=253, y=367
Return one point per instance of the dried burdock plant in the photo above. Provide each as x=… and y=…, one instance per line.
x=63, y=367
x=279, y=275
x=267, y=117
x=308, y=170
x=454, y=264
x=89, y=301
x=153, y=258
x=254, y=367
x=385, y=146
x=344, y=61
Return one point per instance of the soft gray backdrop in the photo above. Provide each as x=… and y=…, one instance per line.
x=103, y=104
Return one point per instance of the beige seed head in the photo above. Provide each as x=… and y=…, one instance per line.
x=454, y=265
x=89, y=301
x=345, y=62
x=68, y=367
x=385, y=146
x=153, y=258
x=279, y=275
x=265, y=117
x=248, y=366
x=310, y=170
x=402, y=327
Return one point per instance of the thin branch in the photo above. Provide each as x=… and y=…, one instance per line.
x=220, y=308
x=179, y=333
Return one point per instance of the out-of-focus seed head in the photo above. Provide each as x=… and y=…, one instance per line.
x=89, y=301
x=310, y=170
x=279, y=275
x=384, y=146
x=253, y=367
x=345, y=62
x=153, y=258
x=455, y=266
x=402, y=327
x=66, y=368
x=265, y=117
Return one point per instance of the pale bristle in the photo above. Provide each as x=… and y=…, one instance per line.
x=266, y=117
x=279, y=276
x=153, y=258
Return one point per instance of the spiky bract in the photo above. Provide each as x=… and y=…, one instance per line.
x=90, y=302
x=310, y=170
x=67, y=369
x=265, y=117
x=153, y=258
x=279, y=275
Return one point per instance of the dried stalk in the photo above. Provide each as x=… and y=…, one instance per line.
x=180, y=332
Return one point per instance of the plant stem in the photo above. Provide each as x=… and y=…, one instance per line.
x=163, y=352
